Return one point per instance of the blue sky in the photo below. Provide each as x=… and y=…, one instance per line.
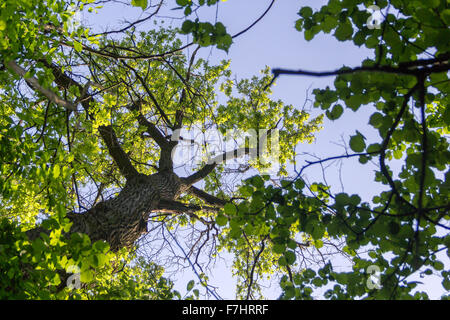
x=274, y=42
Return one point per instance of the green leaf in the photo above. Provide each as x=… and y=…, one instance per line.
x=279, y=248
x=225, y=42
x=309, y=273
x=344, y=31
x=292, y=244
x=246, y=191
x=447, y=241
x=357, y=143
x=355, y=200
x=318, y=243
x=305, y=12
x=87, y=276
x=317, y=232
x=335, y=113
x=139, y=3
x=102, y=259
x=257, y=181
x=334, y=6
x=183, y=2
x=363, y=159
x=56, y=171
x=282, y=261
x=38, y=246
x=438, y=265
x=236, y=231
x=309, y=35
x=220, y=29
x=187, y=11
x=101, y=246
x=221, y=220
x=290, y=257
x=2, y=24
x=393, y=227
x=77, y=46
x=375, y=147
x=446, y=284
x=341, y=199
x=376, y=120
x=190, y=285
x=299, y=184
x=230, y=209
x=250, y=230
x=445, y=14
x=187, y=26
x=56, y=280
x=428, y=272
x=398, y=154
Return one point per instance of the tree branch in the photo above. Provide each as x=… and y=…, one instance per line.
x=414, y=68
x=208, y=198
x=150, y=94
x=106, y=132
x=255, y=22
x=166, y=146
x=152, y=130
x=386, y=140
x=115, y=150
x=175, y=207
x=158, y=7
x=212, y=164
x=34, y=83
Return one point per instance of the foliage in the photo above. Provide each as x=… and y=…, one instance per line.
x=55, y=160
x=54, y=267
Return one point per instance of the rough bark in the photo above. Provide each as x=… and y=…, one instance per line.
x=121, y=220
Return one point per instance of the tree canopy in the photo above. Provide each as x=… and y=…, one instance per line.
x=96, y=188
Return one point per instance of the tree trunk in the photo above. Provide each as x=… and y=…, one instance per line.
x=121, y=220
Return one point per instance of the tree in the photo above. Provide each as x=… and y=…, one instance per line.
x=90, y=124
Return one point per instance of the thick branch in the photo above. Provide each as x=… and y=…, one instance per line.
x=179, y=207
x=165, y=160
x=115, y=150
x=212, y=164
x=34, y=83
x=208, y=198
x=152, y=130
x=424, y=143
x=175, y=207
x=414, y=68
